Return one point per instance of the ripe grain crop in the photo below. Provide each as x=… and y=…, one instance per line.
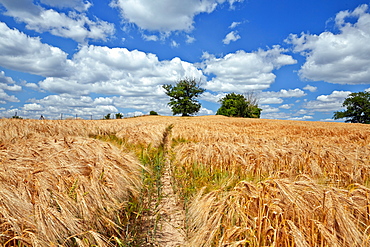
x=244, y=182
x=333, y=153
x=256, y=182
x=13, y=129
x=61, y=188
x=150, y=131
x=281, y=212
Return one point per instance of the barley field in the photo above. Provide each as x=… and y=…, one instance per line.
x=241, y=182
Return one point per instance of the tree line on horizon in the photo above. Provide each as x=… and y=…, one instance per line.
x=183, y=100
x=184, y=93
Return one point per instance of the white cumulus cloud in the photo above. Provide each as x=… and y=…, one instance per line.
x=79, y=5
x=283, y=93
x=326, y=103
x=7, y=84
x=215, y=98
x=232, y=36
x=165, y=15
x=73, y=25
x=286, y=106
x=240, y=72
x=118, y=71
x=341, y=58
x=234, y=24
x=270, y=100
x=132, y=79
x=27, y=54
x=303, y=118
x=310, y=88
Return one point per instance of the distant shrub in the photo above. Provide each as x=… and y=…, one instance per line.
x=119, y=115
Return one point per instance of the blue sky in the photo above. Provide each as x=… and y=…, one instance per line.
x=91, y=58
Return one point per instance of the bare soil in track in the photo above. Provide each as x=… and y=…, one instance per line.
x=171, y=214
x=168, y=220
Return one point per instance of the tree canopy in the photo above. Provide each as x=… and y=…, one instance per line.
x=119, y=115
x=358, y=108
x=183, y=96
x=237, y=105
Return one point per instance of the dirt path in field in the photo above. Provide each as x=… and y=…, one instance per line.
x=171, y=224
x=170, y=229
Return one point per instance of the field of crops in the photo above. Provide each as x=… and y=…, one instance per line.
x=242, y=182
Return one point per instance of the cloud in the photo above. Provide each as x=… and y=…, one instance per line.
x=7, y=84
x=271, y=100
x=274, y=114
x=150, y=37
x=231, y=2
x=241, y=71
x=310, y=88
x=143, y=103
x=283, y=93
x=135, y=76
x=234, y=25
x=189, y=39
x=55, y=105
x=76, y=26
x=134, y=114
x=286, y=106
x=32, y=107
x=174, y=44
x=301, y=112
x=326, y=103
x=204, y=111
x=4, y=97
x=232, y=36
x=79, y=5
x=341, y=58
x=331, y=120
x=32, y=85
x=165, y=15
x=215, y=98
x=4, y=80
x=27, y=54
x=268, y=109
x=305, y=117
x=118, y=71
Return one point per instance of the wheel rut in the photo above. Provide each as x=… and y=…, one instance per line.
x=170, y=226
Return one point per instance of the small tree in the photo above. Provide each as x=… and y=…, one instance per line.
x=183, y=96
x=16, y=116
x=153, y=113
x=119, y=115
x=107, y=116
x=358, y=108
x=237, y=105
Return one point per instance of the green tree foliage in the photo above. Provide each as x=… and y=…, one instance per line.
x=183, y=96
x=107, y=116
x=358, y=108
x=119, y=115
x=16, y=116
x=237, y=105
x=153, y=113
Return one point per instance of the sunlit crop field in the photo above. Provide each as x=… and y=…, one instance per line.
x=243, y=182
x=254, y=182
x=60, y=187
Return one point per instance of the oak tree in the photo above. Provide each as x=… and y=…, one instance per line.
x=183, y=96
